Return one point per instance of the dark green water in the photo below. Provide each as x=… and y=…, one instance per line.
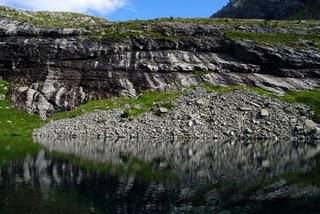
x=158, y=176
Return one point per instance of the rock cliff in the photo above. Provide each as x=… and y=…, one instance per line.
x=271, y=9
x=53, y=66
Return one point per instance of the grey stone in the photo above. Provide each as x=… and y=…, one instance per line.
x=163, y=110
x=201, y=102
x=245, y=109
x=310, y=124
x=264, y=113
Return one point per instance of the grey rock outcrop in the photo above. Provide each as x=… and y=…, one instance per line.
x=54, y=69
x=270, y=9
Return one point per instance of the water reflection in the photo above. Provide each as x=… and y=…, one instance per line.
x=198, y=159
x=149, y=176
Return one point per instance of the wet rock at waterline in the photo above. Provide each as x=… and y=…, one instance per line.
x=197, y=114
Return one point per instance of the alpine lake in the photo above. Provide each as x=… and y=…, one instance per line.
x=158, y=176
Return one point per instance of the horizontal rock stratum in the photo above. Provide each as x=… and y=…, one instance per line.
x=57, y=61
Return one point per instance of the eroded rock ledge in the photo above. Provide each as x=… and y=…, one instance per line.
x=58, y=69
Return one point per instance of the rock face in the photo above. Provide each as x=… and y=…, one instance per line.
x=271, y=9
x=56, y=69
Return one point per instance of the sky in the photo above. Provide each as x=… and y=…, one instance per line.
x=120, y=10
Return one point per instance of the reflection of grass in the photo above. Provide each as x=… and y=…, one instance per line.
x=129, y=167
x=13, y=148
x=136, y=106
x=51, y=200
x=308, y=178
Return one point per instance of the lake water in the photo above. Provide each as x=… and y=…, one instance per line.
x=158, y=176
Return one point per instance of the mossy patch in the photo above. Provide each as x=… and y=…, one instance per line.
x=14, y=122
x=101, y=29
x=222, y=89
x=291, y=40
x=133, y=106
x=55, y=19
x=16, y=129
x=308, y=97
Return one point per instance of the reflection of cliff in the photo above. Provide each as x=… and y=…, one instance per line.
x=67, y=182
x=198, y=159
x=49, y=181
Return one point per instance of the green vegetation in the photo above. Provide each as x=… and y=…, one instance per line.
x=132, y=29
x=291, y=40
x=227, y=89
x=200, y=73
x=15, y=130
x=242, y=22
x=118, y=31
x=133, y=106
x=14, y=122
x=15, y=148
x=308, y=97
x=309, y=178
x=55, y=19
x=309, y=12
x=130, y=166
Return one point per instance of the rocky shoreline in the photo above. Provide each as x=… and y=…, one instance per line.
x=197, y=114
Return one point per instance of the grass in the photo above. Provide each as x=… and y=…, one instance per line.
x=133, y=106
x=308, y=97
x=55, y=19
x=227, y=89
x=291, y=40
x=242, y=22
x=15, y=130
x=13, y=122
x=132, y=29
x=101, y=29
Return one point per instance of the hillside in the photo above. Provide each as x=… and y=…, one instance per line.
x=270, y=9
x=58, y=61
